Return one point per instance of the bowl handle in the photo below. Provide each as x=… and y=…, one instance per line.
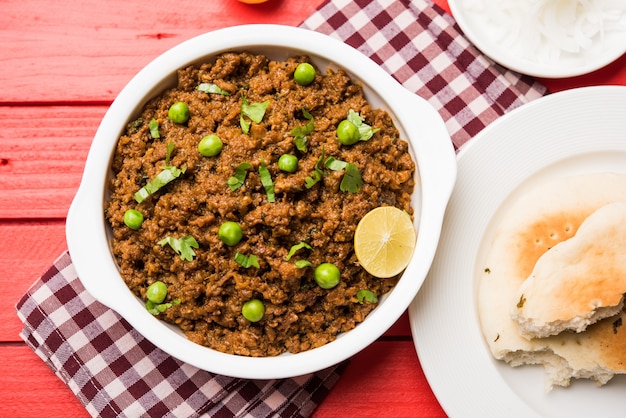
x=437, y=171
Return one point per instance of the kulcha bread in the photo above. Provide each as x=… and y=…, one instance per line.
x=532, y=223
x=579, y=281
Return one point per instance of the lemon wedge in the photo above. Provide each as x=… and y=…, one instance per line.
x=384, y=241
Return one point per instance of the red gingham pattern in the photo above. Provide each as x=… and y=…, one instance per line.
x=115, y=372
x=422, y=47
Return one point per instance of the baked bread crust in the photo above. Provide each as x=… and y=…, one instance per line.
x=532, y=223
x=579, y=281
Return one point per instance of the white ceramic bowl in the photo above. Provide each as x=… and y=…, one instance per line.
x=418, y=122
x=524, y=56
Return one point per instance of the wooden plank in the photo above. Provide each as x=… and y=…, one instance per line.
x=390, y=383
x=384, y=380
x=42, y=156
x=86, y=50
x=31, y=389
x=27, y=249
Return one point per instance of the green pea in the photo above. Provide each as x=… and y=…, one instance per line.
x=230, y=233
x=288, y=163
x=178, y=112
x=133, y=218
x=210, y=145
x=156, y=292
x=348, y=133
x=327, y=275
x=304, y=74
x=253, y=310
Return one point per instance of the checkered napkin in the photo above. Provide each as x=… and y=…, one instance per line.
x=115, y=372
x=420, y=45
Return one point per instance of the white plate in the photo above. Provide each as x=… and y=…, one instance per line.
x=488, y=37
x=573, y=132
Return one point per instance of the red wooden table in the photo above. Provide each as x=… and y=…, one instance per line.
x=62, y=63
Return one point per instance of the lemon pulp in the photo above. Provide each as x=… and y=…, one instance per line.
x=384, y=241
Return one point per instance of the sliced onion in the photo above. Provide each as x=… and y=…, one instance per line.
x=550, y=29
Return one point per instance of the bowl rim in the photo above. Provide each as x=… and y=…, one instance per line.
x=437, y=174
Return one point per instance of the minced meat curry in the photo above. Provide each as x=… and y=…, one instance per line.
x=291, y=221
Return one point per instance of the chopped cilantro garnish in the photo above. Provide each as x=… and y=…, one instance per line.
x=300, y=132
x=237, y=180
x=332, y=163
x=303, y=263
x=247, y=261
x=157, y=308
x=365, y=130
x=351, y=181
x=266, y=181
x=182, y=246
x=165, y=176
x=297, y=247
x=316, y=175
x=254, y=111
x=312, y=180
x=365, y=295
x=154, y=129
x=212, y=88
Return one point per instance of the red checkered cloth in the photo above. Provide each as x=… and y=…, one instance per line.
x=420, y=45
x=115, y=372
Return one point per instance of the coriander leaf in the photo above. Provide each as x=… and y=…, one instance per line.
x=312, y=180
x=237, y=180
x=212, y=88
x=354, y=117
x=365, y=295
x=333, y=164
x=266, y=181
x=245, y=125
x=351, y=181
x=300, y=132
x=316, y=175
x=254, y=111
x=166, y=175
x=303, y=263
x=297, y=247
x=247, y=261
x=154, y=129
x=182, y=246
x=365, y=130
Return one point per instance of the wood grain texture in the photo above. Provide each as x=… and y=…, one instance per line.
x=87, y=50
x=28, y=249
x=377, y=385
x=29, y=388
x=61, y=65
x=42, y=156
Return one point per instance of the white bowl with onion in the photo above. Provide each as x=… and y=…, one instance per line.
x=418, y=122
x=545, y=38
